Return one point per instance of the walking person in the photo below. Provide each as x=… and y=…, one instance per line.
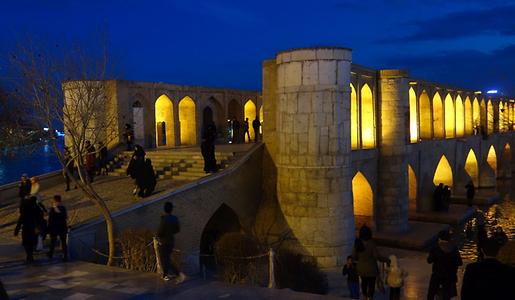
x=69, y=166
x=235, y=131
x=246, y=130
x=58, y=227
x=34, y=187
x=256, y=125
x=207, y=148
x=395, y=278
x=41, y=224
x=349, y=270
x=437, y=197
x=102, y=158
x=90, y=161
x=168, y=228
x=445, y=259
x=366, y=254
x=149, y=178
x=136, y=170
x=129, y=136
x=27, y=223
x=489, y=278
x=471, y=191
x=24, y=187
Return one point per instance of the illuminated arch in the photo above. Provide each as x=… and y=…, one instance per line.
x=438, y=125
x=188, y=121
x=501, y=117
x=443, y=172
x=367, y=118
x=472, y=167
x=250, y=113
x=460, y=117
x=412, y=189
x=164, y=121
x=425, y=116
x=483, y=114
x=449, y=117
x=476, y=113
x=261, y=119
x=413, y=116
x=469, y=124
x=354, y=118
x=362, y=195
x=491, y=159
x=506, y=116
x=489, y=117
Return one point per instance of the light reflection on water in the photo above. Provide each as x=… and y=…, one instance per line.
x=41, y=160
x=499, y=214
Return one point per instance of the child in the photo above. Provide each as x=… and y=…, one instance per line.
x=395, y=278
x=352, y=277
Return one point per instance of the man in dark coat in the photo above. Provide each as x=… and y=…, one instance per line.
x=235, y=131
x=207, y=148
x=168, y=228
x=246, y=130
x=256, y=124
x=437, y=197
x=28, y=222
x=446, y=259
x=149, y=178
x=489, y=278
x=136, y=170
x=58, y=226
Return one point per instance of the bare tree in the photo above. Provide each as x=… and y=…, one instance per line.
x=67, y=87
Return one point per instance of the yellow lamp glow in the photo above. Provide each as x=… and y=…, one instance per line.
x=413, y=116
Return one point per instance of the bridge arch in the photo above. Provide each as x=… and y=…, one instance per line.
x=443, y=173
x=472, y=167
x=490, y=117
x=483, y=114
x=469, y=121
x=367, y=118
x=413, y=116
x=412, y=189
x=491, y=159
x=165, y=132
x=250, y=113
x=438, y=120
x=476, y=113
x=449, y=117
x=460, y=117
x=425, y=116
x=506, y=161
x=363, y=199
x=354, y=118
x=188, y=121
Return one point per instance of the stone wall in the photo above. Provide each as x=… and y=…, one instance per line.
x=238, y=187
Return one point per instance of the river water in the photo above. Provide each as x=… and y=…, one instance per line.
x=39, y=160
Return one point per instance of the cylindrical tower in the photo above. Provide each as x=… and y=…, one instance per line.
x=313, y=159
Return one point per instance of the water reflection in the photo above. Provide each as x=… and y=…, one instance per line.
x=500, y=214
x=38, y=161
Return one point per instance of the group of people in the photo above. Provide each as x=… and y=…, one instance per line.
x=36, y=221
x=141, y=170
x=238, y=133
x=486, y=279
x=441, y=198
x=95, y=163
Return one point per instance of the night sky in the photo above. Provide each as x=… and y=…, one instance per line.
x=222, y=43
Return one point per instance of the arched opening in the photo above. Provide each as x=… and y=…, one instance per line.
x=476, y=114
x=438, y=127
x=217, y=112
x=223, y=221
x=472, y=167
x=460, y=117
x=261, y=119
x=363, y=199
x=250, y=114
x=483, y=114
x=367, y=118
x=443, y=173
x=413, y=116
x=354, y=118
x=138, y=122
x=425, y=116
x=187, y=121
x=233, y=110
x=412, y=189
x=469, y=123
x=164, y=121
x=491, y=159
x=490, y=117
x=207, y=116
x=449, y=117
x=501, y=117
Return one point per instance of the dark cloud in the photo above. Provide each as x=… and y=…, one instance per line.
x=498, y=20
x=466, y=68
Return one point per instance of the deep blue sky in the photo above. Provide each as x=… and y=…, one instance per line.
x=469, y=43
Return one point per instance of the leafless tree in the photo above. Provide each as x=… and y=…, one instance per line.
x=66, y=86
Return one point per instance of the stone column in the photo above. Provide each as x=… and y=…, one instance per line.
x=313, y=159
x=392, y=203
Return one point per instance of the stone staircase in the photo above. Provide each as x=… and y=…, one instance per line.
x=172, y=164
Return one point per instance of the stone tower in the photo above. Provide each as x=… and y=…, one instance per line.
x=311, y=111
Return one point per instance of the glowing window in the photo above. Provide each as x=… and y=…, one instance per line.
x=367, y=118
x=187, y=121
x=425, y=116
x=460, y=117
x=476, y=113
x=449, y=117
x=164, y=121
x=250, y=114
x=353, y=118
x=443, y=173
x=469, y=124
